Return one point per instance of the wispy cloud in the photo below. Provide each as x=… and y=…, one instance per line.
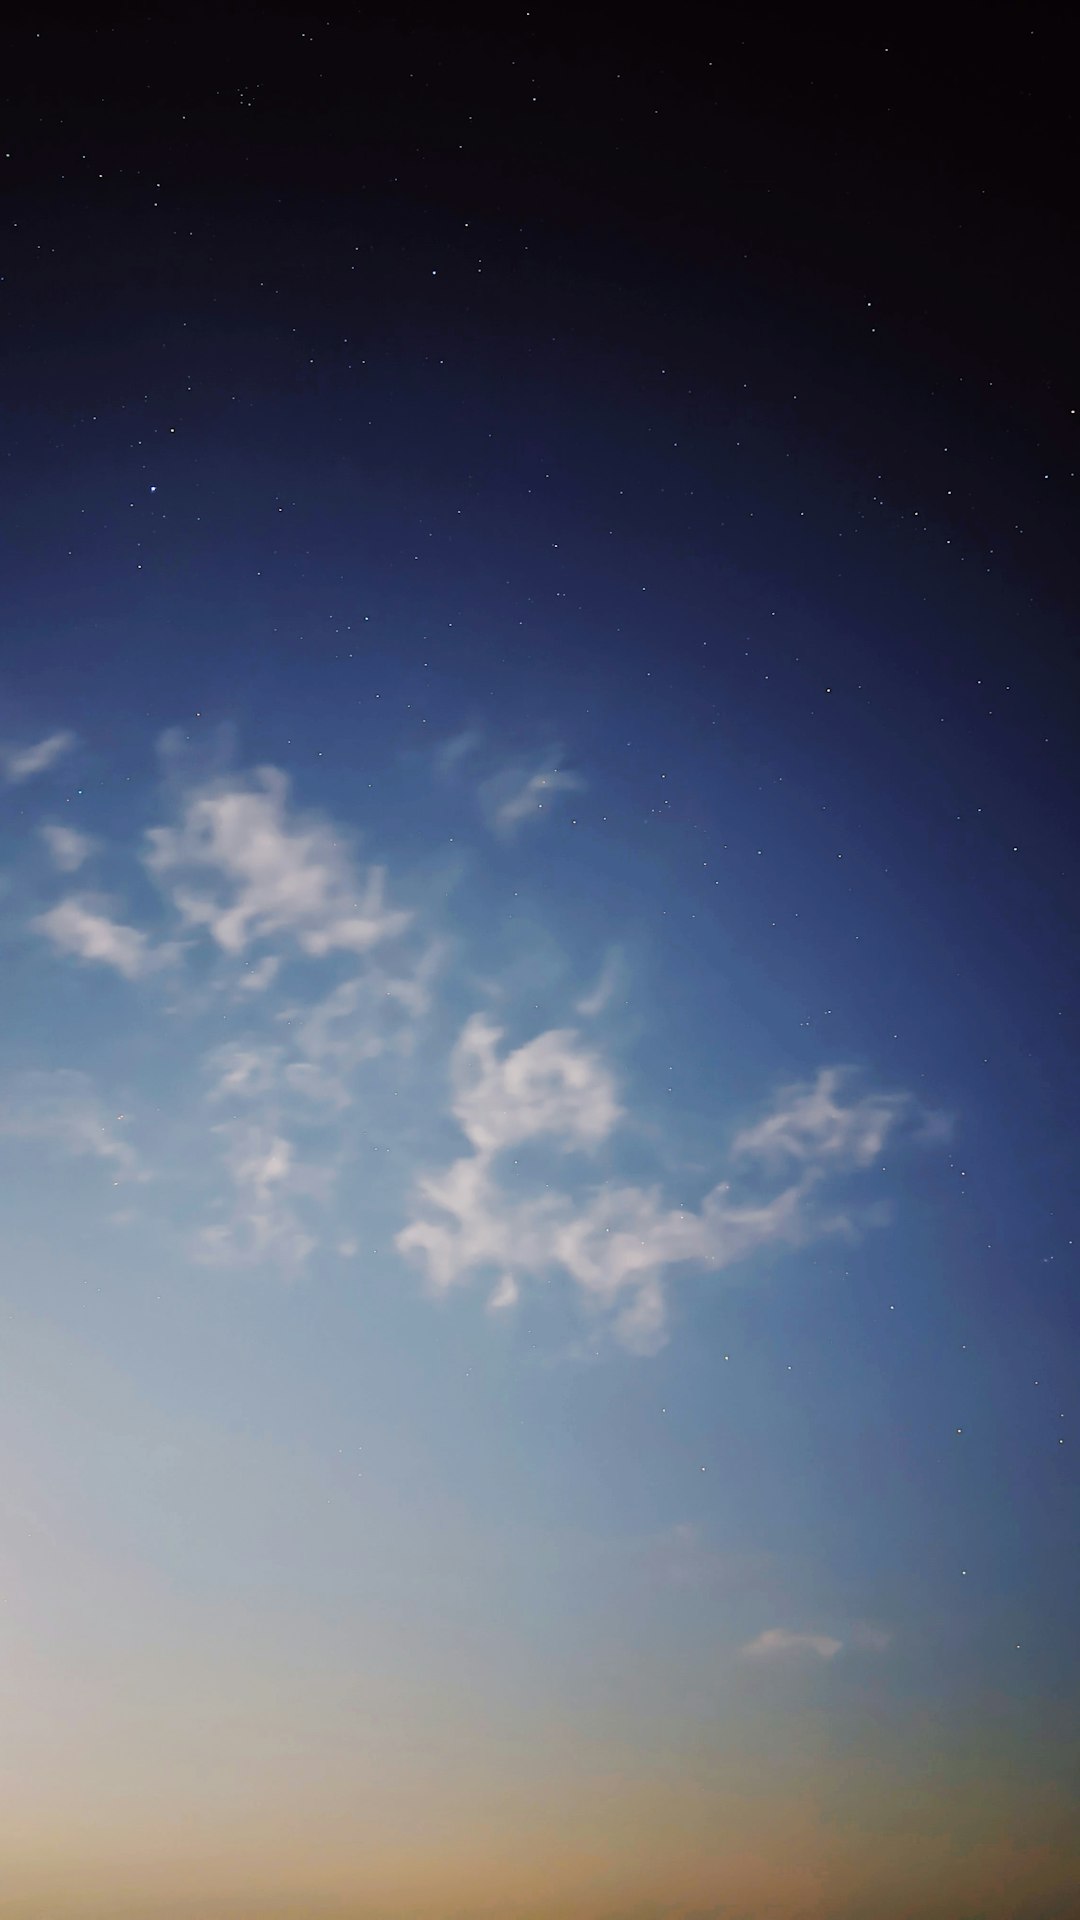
x=620, y=1245
x=811, y=1124
x=321, y=1047
x=242, y=1071
x=616, y=1242
x=62, y=1109
x=265, y=1216
x=598, y=996
x=504, y=1294
x=289, y=1083
x=68, y=848
x=82, y=927
x=513, y=797
x=246, y=868
x=22, y=763
x=777, y=1643
x=451, y=753
x=780, y=1643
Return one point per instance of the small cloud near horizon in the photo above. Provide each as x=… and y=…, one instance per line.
x=777, y=1642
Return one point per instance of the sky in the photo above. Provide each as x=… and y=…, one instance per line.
x=538, y=1201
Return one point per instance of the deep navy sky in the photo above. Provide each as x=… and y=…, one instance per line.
x=626, y=482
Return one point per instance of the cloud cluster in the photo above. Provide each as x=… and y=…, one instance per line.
x=291, y=1079
x=551, y=1085
x=260, y=883
x=266, y=891
x=616, y=1242
x=240, y=865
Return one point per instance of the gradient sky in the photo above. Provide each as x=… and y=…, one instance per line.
x=538, y=922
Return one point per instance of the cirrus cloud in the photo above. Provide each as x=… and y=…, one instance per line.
x=22, y=763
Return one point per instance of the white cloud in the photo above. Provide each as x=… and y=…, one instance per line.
x=68, y=847
x=309, y=1069
x=368, y=1015
x=810, y=1124
x=61, y=1108
x=272, y=1192
x=264, y=1222
x=466, y=1224
x=514, y=797
x=594, y=1002
x=621, y=1243
x=617, y=1243
x=243, y=866
x=22, y=763
x=242, y=1072
x=551, y=1085
x=504, y=1294
x=80, y=926
x=776, y=1643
